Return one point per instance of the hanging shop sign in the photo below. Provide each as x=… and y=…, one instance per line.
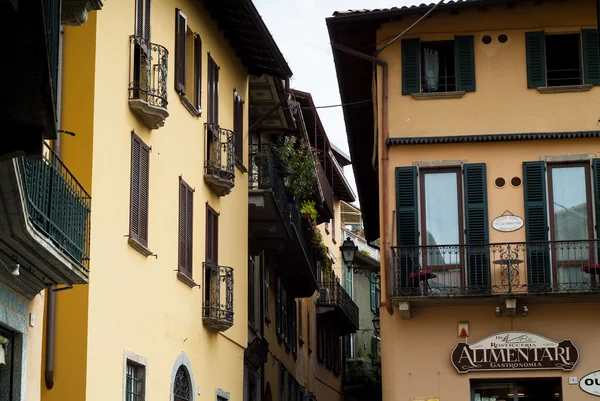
x=590, y=383
x=507, y=223
x=515, y=351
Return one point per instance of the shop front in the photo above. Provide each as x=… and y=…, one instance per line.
x=471, y=353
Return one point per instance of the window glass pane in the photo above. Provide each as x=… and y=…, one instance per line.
x=570, y=203
x=441, y=209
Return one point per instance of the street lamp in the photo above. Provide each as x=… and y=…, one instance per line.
x=348, y=253
x=376, y=323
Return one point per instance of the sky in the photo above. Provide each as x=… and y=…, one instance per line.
x=298, y=27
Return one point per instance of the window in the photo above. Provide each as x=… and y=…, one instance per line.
x=186, y=228
x=266, y=290
x=212, y=258
x=438, y=70
x=375, y=297
x=142, y=19
x=328, y=347
x=349, y=281
x=333, y=226
x=442, y=233
x=7, y=361
x=135, y=378
x=238, y=127
x=444, y=66
x=308, y=326
x=223, y=395
x=213, y=92
x=254, y=287
x=300, y=332
x=562, y=60
x=286, y=318
x=182, y=390
x=140, y=169
x=188, y=63
x=529, y=389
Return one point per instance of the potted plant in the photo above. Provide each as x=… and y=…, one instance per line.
x=298, y=167
x=309, y=211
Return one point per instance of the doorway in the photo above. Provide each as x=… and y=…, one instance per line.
x=6, y=365
x=546, y=389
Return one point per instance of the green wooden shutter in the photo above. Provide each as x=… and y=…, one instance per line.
x=408, y=230
x=536, y=226
x=411, y=70
x=278, y=307
x=535, y=47
x=373, y=293
x=476, y=219
x=591, y=56
x=464, y=56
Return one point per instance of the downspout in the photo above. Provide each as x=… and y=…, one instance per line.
x=384, y=166
x=51, y=294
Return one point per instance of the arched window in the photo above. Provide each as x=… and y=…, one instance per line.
x=182, y=390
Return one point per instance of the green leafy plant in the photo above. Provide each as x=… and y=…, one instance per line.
x=309, y=208
x=365, y=252
x=298, y=164
x=317, y=237
x=360, y=354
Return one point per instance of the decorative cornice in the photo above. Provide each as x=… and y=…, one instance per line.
x=426, y=140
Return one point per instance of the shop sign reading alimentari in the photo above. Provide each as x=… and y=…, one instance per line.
x=515, y=351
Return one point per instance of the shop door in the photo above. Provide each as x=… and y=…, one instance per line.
x=6, y=368
x=547, y=389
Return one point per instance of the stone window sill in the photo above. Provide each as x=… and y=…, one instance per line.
x=186, y=280
x=565, y=89
x=135, y=244
x=190, y=106
x=438, y=95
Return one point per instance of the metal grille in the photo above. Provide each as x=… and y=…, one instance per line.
x=134, y=382
x=511, y=268
x=332, y=293
x=148, y=71
x=220, y=148
x=57, y=204
x=218, y=287
x=181, y=387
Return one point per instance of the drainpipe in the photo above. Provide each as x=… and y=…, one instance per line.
x=384, y=166
x=51, y=294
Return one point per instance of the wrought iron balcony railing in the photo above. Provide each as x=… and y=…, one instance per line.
x=148, y=68
x=509, y=268
x=265, y=174
x=219, y=164
x=217, y=308
x=331, y=293
x=57, y=204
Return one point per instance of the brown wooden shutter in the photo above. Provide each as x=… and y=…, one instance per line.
x=186, y=227
x=216, y=236
x=140, y=171
x=212, y=235
x=198, y=71
x=180, y=48
x=238, y=126
x=213, y=91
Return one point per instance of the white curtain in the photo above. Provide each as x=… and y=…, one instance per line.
x=432, y=69
x=3, y=341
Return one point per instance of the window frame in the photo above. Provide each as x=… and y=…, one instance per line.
x=238, y=129
x=143, y=8
x=579, y=55
x=212, y=106
x=139, y=362
x=556, y=264
x=423, y=216
x=422, y=66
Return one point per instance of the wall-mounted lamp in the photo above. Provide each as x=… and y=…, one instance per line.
x=498, y=312
x=525, y=311
x=16, y=270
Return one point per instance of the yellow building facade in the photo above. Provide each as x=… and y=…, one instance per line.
x=157, y=96
x=482, y=190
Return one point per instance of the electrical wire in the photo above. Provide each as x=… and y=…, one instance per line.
x=408, y=29
x=323, y=107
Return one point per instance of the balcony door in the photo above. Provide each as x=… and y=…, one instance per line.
x=571, y=225
x=441, y=222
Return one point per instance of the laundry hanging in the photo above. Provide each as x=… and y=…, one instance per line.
x=432, y=69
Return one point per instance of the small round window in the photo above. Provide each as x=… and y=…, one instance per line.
x=500, y=182
x=515, y=182
x=502, y=38
x=486, y=39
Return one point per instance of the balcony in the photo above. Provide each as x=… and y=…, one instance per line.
x=362, y=378
x=148, y=66
x=46, y=223
x=551, y=271
x=334, y=303
x=276, y=223
x=217, y=307
x=219, y=173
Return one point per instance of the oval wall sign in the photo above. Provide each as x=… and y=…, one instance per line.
x=590, y=383
x=507, y=223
